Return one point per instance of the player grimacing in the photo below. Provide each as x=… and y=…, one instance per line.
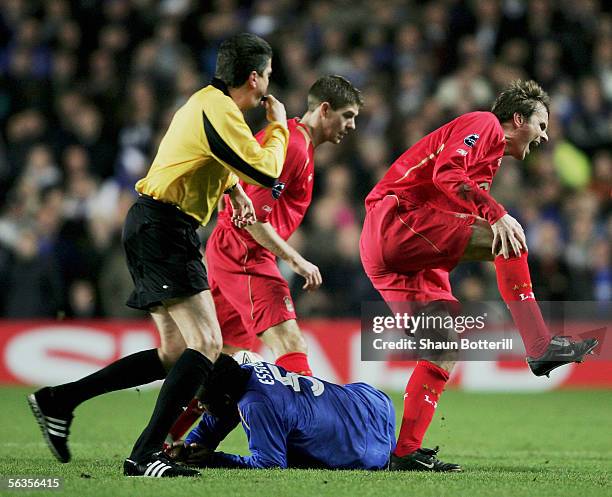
x=432, y=210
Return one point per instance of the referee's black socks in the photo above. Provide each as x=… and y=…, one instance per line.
x=189, y=372
x=130, y=371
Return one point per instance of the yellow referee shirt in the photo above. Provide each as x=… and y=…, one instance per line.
x=207, y=144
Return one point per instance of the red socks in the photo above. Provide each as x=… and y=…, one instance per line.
x=514, y=285
x=296, y=362
x=420, y=401
x=189, y=416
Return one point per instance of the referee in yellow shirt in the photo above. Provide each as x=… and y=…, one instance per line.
x=207, y=147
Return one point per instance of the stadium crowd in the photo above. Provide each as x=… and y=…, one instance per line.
x=88, y=88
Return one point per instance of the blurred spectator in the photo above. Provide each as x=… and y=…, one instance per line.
x=33, y=280
x=82, y=300
x=591, y=127
x=602, y=269
x=602, y=176
x=549, y=272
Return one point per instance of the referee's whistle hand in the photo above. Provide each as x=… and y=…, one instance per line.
x=275, y=110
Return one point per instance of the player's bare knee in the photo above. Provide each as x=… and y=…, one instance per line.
x=480, y=243
x=288, y=346
x=169, y=352
x=209, y=345
x=298, y=344
x=294, y=342
x=285, y=338
x=230, y=349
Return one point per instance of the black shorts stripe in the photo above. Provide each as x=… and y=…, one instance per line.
x=226, y=154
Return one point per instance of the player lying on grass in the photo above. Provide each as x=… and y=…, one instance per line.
x=432, y=210
x=291, y=421
x=251, y=297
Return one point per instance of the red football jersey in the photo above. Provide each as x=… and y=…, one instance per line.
x=285, y=205
x=451, y=168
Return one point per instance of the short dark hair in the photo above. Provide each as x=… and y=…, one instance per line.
x=336, y=90
x=239, y=55
x=522, y=97
x=224, y=386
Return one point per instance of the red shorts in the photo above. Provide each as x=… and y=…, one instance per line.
x=408, y=252
x=249, y=292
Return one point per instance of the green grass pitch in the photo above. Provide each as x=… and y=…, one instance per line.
x=546, y=444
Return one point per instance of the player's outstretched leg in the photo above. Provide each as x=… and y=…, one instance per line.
x=544, y=352
x=53, y=421
x=53, y=406
x=560, y=351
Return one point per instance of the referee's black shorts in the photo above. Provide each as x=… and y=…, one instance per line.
x=163, y=253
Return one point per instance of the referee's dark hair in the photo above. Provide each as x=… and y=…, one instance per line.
x=224, y=386
x=239, y=55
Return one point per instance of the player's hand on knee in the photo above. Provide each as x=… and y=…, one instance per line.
x=309, y=272
x=508, y=237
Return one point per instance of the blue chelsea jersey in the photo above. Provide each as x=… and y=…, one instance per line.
x=301, y=421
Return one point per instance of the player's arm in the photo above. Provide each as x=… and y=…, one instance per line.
x=267, y=441
x=265, y=201
x=233, y=144
x=450, y=173
x=202, y=440
x=451, y=177
x=264, y=234
x=243, y=212
x=211, y=431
